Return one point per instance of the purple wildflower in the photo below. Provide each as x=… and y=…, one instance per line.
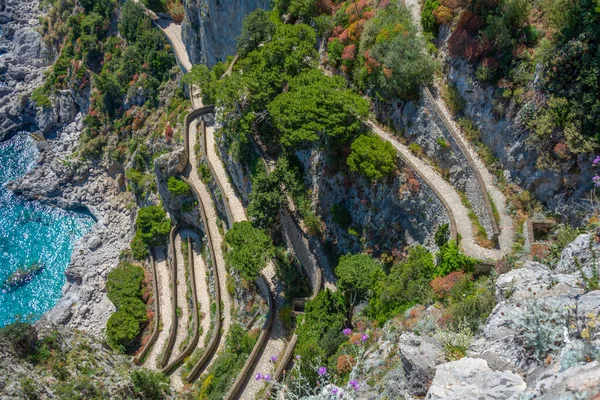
x=273, y=359
x=298, y=357
x=334, y=391
x=322, y=371
x=596, y=160
x=267, y=377
x=354, y=384
x=357, y=342
x=258, y=377
x=347, y=331
x=364, y=337
x=596, y=180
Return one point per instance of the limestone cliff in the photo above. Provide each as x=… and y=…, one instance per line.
x=210, y=27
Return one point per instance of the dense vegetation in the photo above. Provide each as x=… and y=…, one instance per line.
x=249, y=249
x=375, y=43
x=124, y=288
x=152, y=229
x=506, y=40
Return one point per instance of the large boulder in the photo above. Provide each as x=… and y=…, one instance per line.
x=472, y=378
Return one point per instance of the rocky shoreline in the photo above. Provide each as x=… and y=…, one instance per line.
x=59, y=180
x=71, y=184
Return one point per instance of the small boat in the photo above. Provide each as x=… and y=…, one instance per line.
x=22, y=276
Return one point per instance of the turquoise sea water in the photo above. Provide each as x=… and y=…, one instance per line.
x=31, y=232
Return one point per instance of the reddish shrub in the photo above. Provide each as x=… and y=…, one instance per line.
x=349, y=53
x=469, y=22
x=344, y=36
x=458, y=42
x=562, y=150
x=368, y=15
x=345, y=363
x=370, y=63
x=325, y=6
x=168, y=132
x=442, y=285
x=383, y=4
x=454, y=4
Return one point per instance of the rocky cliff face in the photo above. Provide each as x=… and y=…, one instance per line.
x=24, y=58
x=506, y=136
x=540, y=341
x=210, y=27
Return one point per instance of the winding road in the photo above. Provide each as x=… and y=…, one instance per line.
x=164, y=298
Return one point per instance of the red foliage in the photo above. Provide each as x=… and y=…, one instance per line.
x=344, y=36
x=383, y=4
x=490, y=62
x=458, y=42
x=337, y=30
x=168, y=132
x=454, y=4
x=345, y=363
x=413, y=185
x=469, y=22
x=370, y=63
x=368, y=15
x=442, y=285
x=349, y=53
x=562, y=150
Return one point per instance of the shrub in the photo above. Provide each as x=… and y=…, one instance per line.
x=250, y=249
x=372, y=157
x=450, y=259
x=124, y=282
x=471, y=302
x=22, y=336
x=452, y=98
x=40, y=98
x=178, y=187
x=406, y=285
x=150, y=385
x=442, y=285
x=139, y=250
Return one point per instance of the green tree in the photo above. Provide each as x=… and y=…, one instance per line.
x=203, y=77
x=153, y=227
x=132, y=20
x=125, y=281
x=250, y=249
x=317, y=106
x=335, y=49
x=22, y=336
x=150, y=385
x=372, y=157
x=407, y=284
x=122, y=329
x=357, y=276
x=265, y=199
x=258, y=28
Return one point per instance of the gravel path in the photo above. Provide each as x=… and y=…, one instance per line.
x=235, y=204
x=277, y=342
x=182, y=285
x=463, y=223
x=164, y=294
x=211, y=215
x=505, y=239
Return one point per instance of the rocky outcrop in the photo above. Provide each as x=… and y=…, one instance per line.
x=389, y=214
x=22, y=65
x=472, y=379
x=418, y=122
x=543, y=329
x=506, y=136
x=72, y=184
x=59, y=374
x=210, y=27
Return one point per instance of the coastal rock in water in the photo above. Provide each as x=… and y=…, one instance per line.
x=472, y=379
